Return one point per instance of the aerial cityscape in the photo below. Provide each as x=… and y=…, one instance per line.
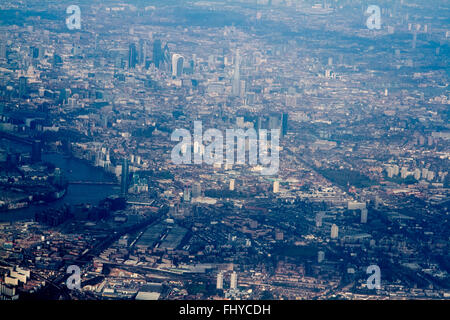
x=224, y=150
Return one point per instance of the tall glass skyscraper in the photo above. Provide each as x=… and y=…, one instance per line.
x=157, y=53
x=132, y=56
x=124, y=177
x=284, y=123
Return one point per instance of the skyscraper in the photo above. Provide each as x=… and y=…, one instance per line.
x=160, y=54
x=284, y=124
x=334, y=231
x=187, y=194
x=157, y=53
x=242, y=88
x=363, y=215
x=124, y=177
x=319, y=217
x=196, y=190
x=233, y=284
x=34, y=51
x=23, y=87
x=142, y=51
x=236, y=76
x=276, y=186
x=232, y=185
x=166, y=54
x=132, y=56
x=177, y=65
x=219, y=282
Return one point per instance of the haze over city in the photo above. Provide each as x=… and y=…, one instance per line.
x=224, y=150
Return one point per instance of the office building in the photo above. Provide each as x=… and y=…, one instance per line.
x=236, y=84
x=177, y=65
x=23, y=87
x=274, y=122
x=132, y=56
x=284, y=124
x=319, y=216
x=219, y=281
x=187, y=194
x=279, y=236
x=196, y=190
x=233, y=281
x=334, y=231
x=276, y=186
x=363, y=215
x=142, y=52
x=124, y=177
x=232, y=185
x=157, y=53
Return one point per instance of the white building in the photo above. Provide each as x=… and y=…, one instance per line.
x=233, y=280
x=177, y=65
x=334, y=231
x=232, y=185
x=276, y=186
x=219, y=282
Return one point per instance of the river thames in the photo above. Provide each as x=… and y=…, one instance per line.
x=74, y=170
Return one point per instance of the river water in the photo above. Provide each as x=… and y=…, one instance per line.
x=74, y=170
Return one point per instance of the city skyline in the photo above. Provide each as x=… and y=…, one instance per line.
x=224, y=150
